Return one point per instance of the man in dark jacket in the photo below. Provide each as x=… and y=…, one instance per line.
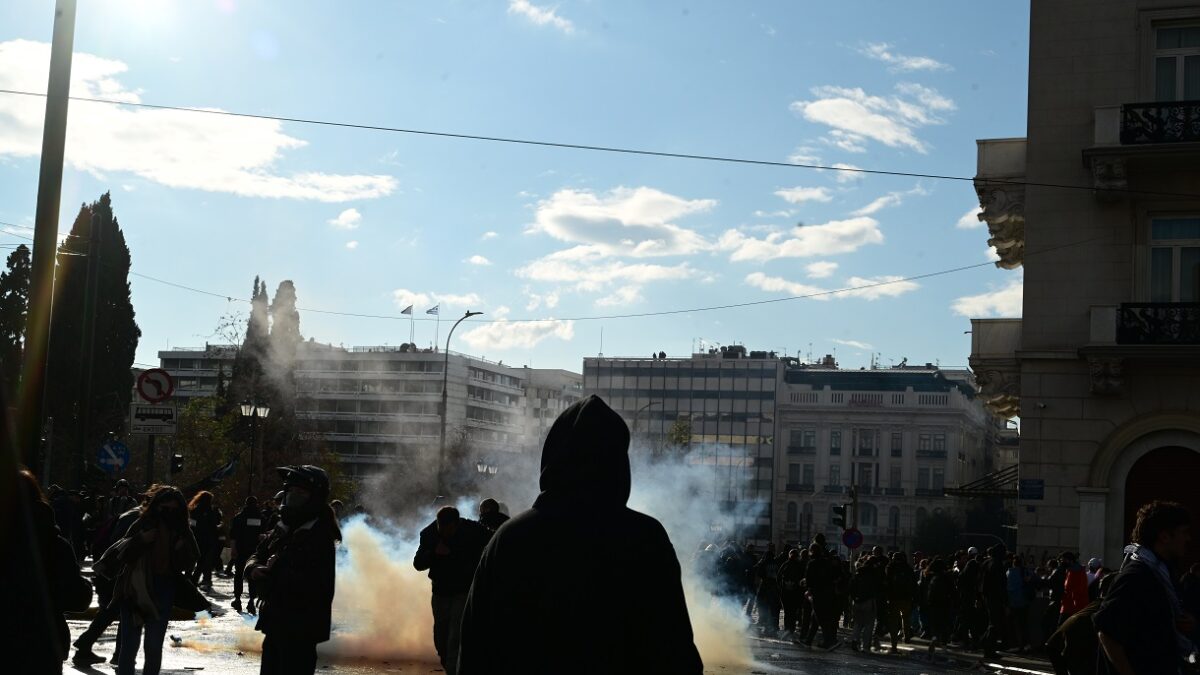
x=1140, y=621
x=993, y=587
x=490, y=515
x=580, y=583
x=450, y=548
x=791, y=590
x=294, y=569
x=244, y=533
x=821, y=578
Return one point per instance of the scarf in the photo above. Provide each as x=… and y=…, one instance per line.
x=1145, y=556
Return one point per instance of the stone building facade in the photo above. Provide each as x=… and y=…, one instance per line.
x=1099, y=205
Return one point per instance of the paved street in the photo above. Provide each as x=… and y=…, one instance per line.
x=228, y=644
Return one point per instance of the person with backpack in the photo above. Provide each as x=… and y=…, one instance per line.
x=107, y=611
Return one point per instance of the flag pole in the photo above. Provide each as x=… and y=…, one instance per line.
x=437, y=329
x=412, y=329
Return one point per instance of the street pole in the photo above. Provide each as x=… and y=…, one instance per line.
x=88, y=348
x=253, y=451
x=149, y=460
x=45, y=234
x=445, y=380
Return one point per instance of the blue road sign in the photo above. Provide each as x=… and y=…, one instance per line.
x=852, y=538
x=113, y=456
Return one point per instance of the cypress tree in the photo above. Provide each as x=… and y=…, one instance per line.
x=14, y=309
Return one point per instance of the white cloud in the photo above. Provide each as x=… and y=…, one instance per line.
x=970, y=220
x=625, y=295
x=782, y=213
x=347, y=220
x=404, y=297
x=478, y=260
x=991, y=254
x=832, y=238
x=879, y=204
x=799, y=195
x=881, y=51
x=489, y=235
x=820, y=270
x=590, y=275
x=352, y=245
x=804, y=155
x=625, y=221
x=465, y=302
x=549, y=299
x=502, y=335
x=853, y=343
x=541, y=16
x=855, y=116
x=177, y=149
x=422, y=301
x=867, y=288
x=1002, y=302
x=849, y=174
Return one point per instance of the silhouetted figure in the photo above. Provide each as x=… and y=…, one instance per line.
x=294, y=569
x=490, y=515
x=450, y=548
x=205, y=520
x=244, y=533
x=580, y=583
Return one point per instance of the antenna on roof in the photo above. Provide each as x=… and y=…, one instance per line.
x=601, y=341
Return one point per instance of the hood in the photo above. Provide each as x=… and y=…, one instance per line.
x=585, y=460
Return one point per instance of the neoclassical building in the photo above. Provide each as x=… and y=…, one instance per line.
x=1099, y=208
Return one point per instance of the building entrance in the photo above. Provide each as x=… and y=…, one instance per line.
x=1168, y=474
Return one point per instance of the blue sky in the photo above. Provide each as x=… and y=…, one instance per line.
x=369, y=222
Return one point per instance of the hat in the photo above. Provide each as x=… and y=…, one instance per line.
x=972, y=551
x=1095, y=564
x=311, y=478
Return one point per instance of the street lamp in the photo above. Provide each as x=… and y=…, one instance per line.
x=485, y=468
x=255, y=412
x=445, y=378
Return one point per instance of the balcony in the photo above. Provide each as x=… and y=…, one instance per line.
x=833, y=489
x=1160, y=122
x=1153, y=331
x=802, y=450
x=801, y=487
x=931, y=454
x=999, y=176
x=1158, y=323
x=894, y=492
x=930, y=492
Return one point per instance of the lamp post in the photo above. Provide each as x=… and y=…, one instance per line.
x=254, y=412
x=445, y=379
x=486, y=469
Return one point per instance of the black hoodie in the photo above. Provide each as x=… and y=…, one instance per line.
x=579, y=583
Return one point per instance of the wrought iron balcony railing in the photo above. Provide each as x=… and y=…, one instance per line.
x=1160, y=122
x=1159, y=323
x=801, y=487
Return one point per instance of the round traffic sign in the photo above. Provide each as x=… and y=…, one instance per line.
x=155, y=385
x=113, y=456
x=852, y=538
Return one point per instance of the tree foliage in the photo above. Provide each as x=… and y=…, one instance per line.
x=116, y=340
x=14, y=310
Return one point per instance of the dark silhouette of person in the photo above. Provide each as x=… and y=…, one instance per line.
x=580, y=583
x=490, y=515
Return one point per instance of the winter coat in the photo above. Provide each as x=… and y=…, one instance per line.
x=866, y=584
x=127, y=563
x=451, y=574
x=246, y=529
x=205, y=523
x=791, y=577
x=1075, y=590
x=580, y=583
x=942, y=593
x=901, y=583
x=493, y=520
x=821, y=575
x=993, y=584
x=296, y=597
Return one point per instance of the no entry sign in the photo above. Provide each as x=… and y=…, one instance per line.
x=852, y=538
x=155, y=385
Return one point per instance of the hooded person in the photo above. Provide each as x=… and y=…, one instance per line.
x=490, y=514
x=293, y=567
x=580, y=582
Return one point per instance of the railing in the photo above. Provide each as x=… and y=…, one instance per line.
x=1158, y=323
x=833, y=489
x=801, y=487
x=1160, y=122
x=802, y=450
x=930, y=492
x=931, y=454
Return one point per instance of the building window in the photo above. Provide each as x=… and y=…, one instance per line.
x=808, y=513
x=923, y=479
x=939, y=479
x=868, y=515
x=894, y=478
x=924, y=442
x=897, y=444
x=835, y=442
x=939, y=442
x=894, y=518
x=809, y=474
x=866, y=442
x=1177, y=63
x=1175, y=259
x=792, y=513
x=866, y=475
x=835, y=475
x=793, y=473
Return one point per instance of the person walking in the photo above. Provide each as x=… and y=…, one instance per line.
x=107, y=611
x=1141, y=624
x=450, y=548
x=901, y=587
x=791, y=591
x=939, y=603
x=294, y=569
x=580, y=582
x=821, y=577
x=1018, y=587
x=993, y=588
x=152, y=557
x=1075, y=588
x=245, y=530
x=205, y=521
x=866, y=586
x=767, y=596
x=490, y=515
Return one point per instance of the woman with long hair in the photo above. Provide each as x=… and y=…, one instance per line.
x=205, y=521
x=156, y=551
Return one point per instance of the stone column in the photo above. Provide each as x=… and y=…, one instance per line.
x=1093, y=503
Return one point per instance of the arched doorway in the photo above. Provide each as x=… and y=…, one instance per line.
x=1169, y=474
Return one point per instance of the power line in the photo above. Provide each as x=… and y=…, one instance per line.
x=602, y=148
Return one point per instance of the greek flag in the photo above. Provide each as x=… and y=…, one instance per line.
x=433, y=310
x=407, y=310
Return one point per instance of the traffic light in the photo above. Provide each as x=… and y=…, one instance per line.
x=839, y=516
x=176, y=464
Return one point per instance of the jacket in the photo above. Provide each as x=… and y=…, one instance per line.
x=126, y=563
x=1075, y=590
x=580, y=583
x=245, y=530
x=296, y=597
x=451, y=574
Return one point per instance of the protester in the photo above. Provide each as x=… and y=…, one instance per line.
x=244, y=534
x=205, y=521
x=822, y=577
x=791, y=591
x=580, y=583
x=146, y=565
x=1017, y=588
x=994, y=591
x=1075, y=594
x=939, y=603
x=450, y=548
x=490, y=515
x=294, y=569
x=1141, y=623
x=107, y=611
x=967, y=611
x=1073, y=648
x=901, y=586
x=767, y=596
x=866, y=586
